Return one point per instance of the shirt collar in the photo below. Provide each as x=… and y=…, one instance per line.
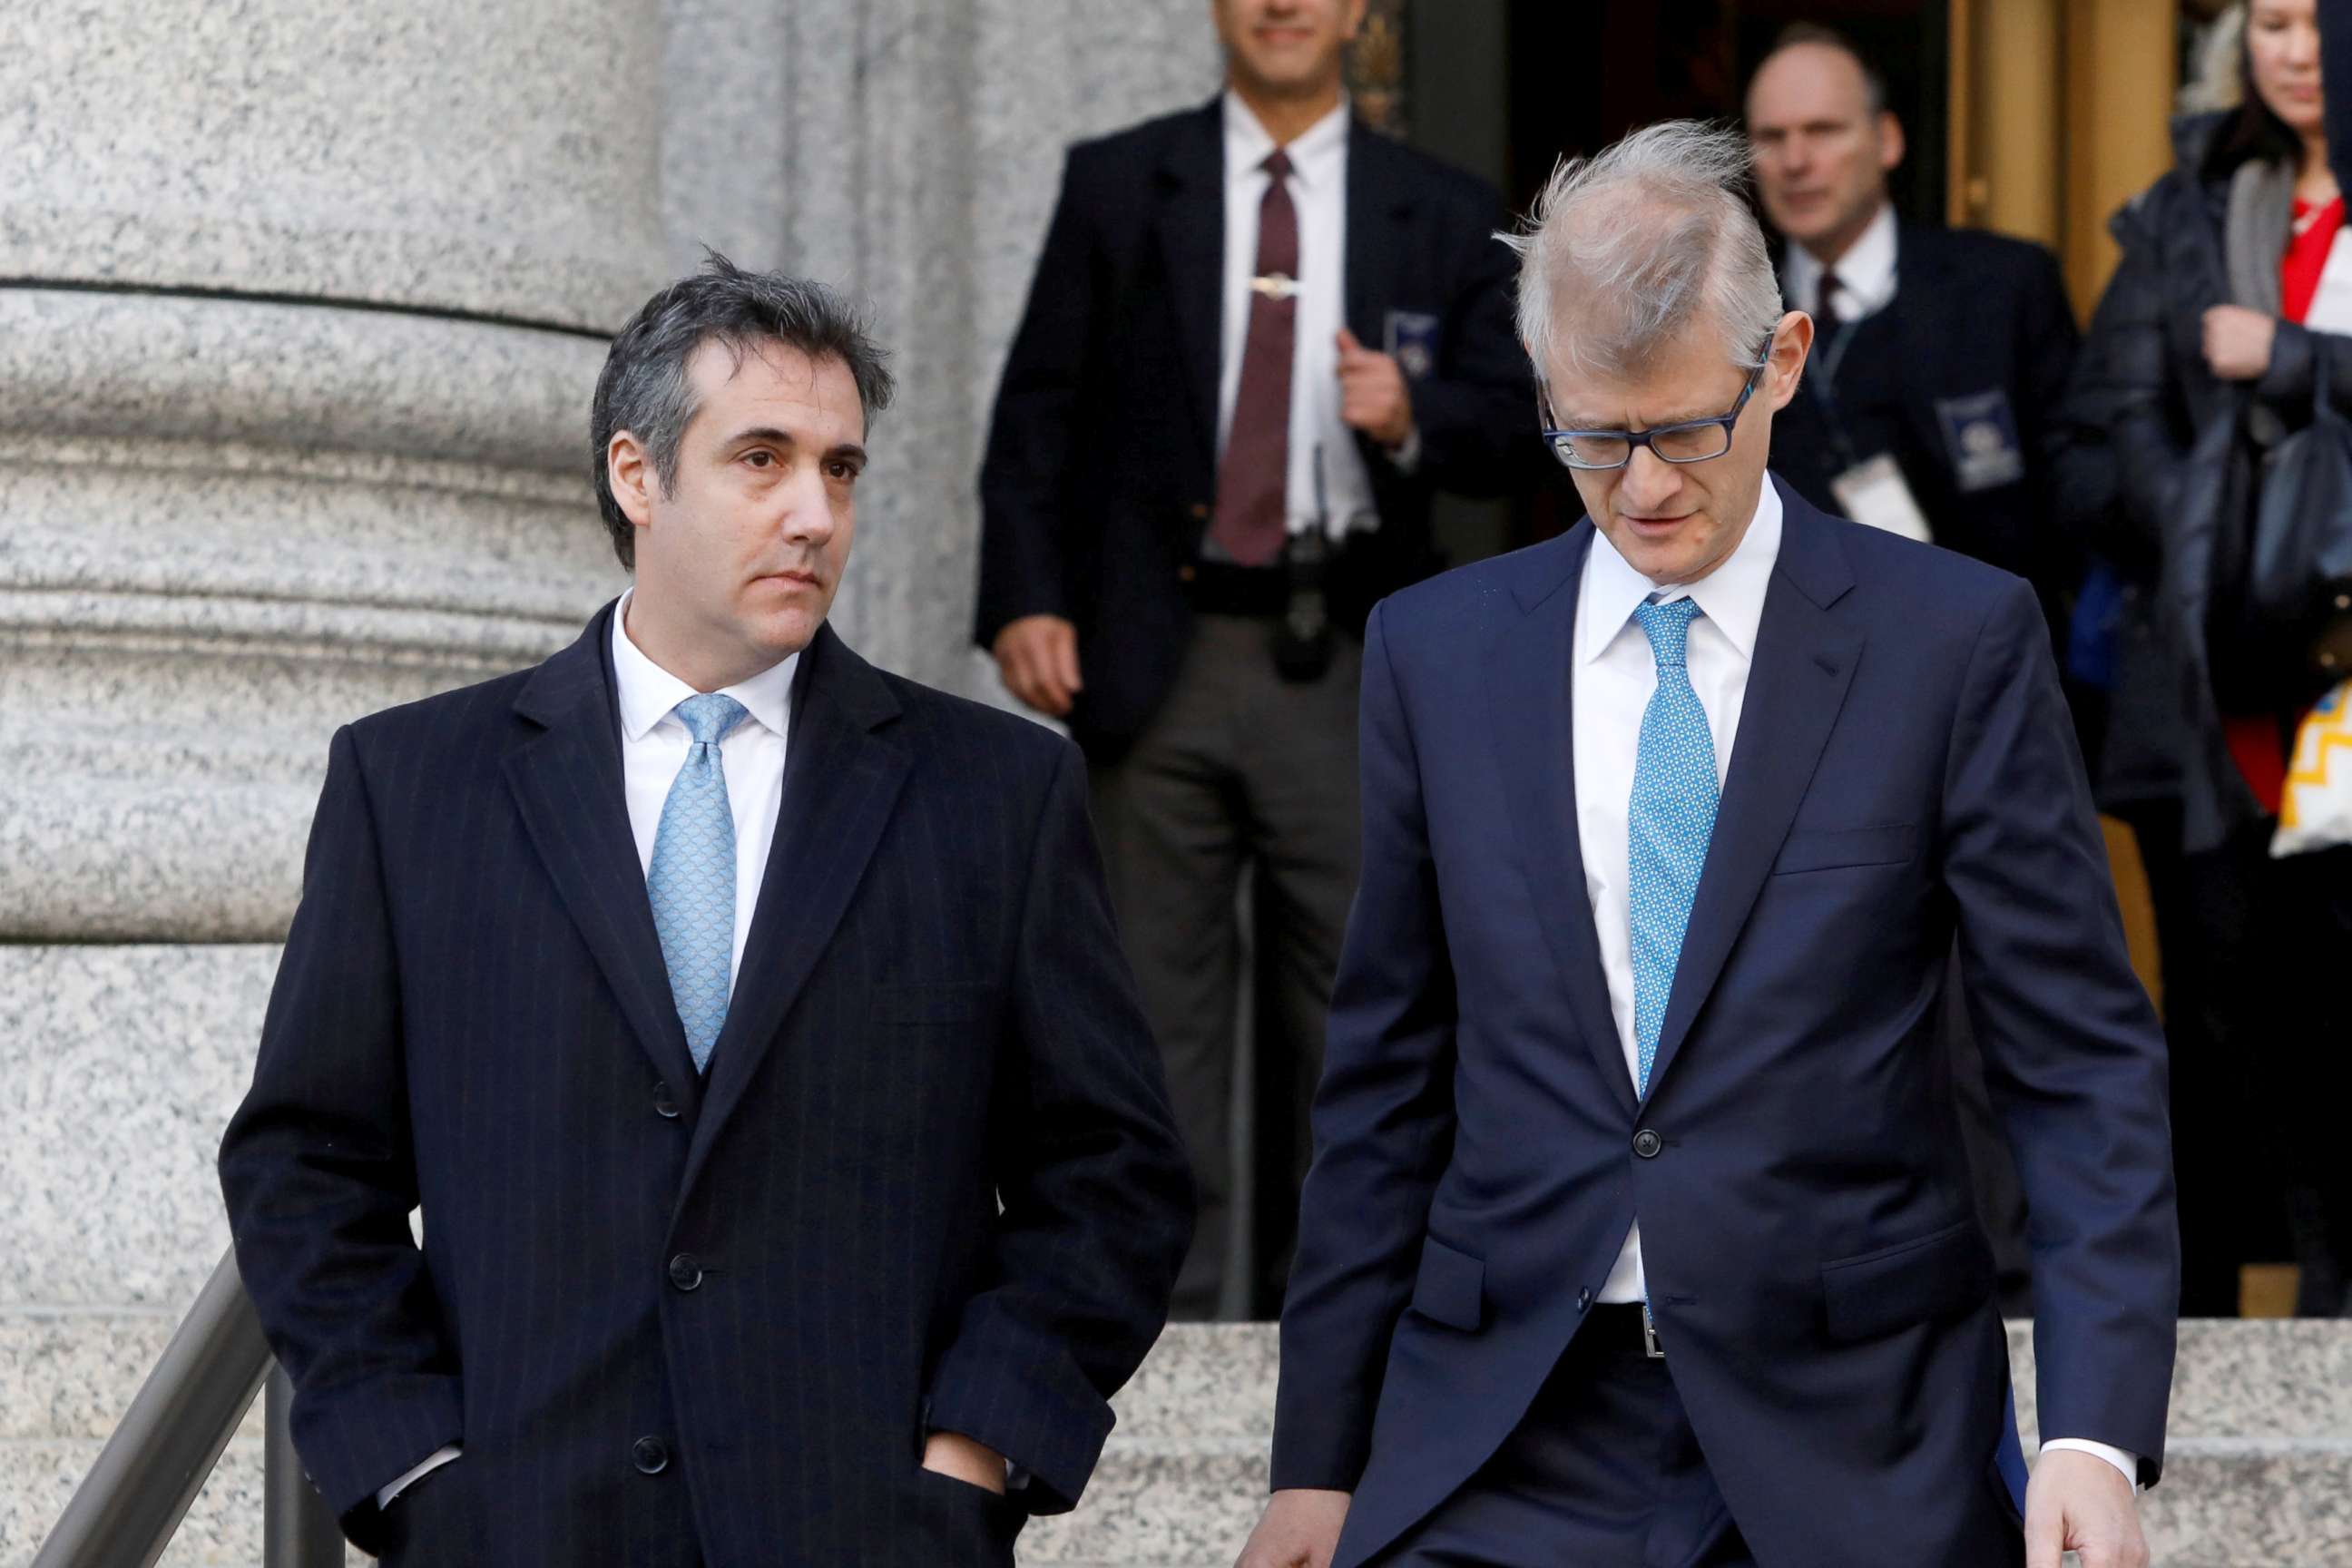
x=648, y=693
x=1316, y=154
x=1866, y=271
x=1732, y=595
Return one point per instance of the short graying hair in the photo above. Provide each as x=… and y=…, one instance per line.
x=1626, y=249
x=643, y=389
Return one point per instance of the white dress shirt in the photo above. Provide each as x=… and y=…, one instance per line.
x=1865, y=273
x=2331, y=303
x=1319, y=189
x=1612, y=677
x=653, y=743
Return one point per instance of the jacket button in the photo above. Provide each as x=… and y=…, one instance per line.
x=1584, y=1300
x=665, y=1105
x=1199, y=509
x=650, y=1454
x=684, y=1272
x=1648, y=1143
x=1185, y=574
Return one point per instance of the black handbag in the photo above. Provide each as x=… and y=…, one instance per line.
x=2300, y=578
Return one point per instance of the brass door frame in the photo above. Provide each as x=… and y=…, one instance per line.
x=2059, y=111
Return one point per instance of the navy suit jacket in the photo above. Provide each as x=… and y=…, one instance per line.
x=765, y=1286
x=1904, y=770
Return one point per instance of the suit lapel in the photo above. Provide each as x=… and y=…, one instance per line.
x=841, y=782
x=1380, y=213
x=567, y=783
x=1804, y=662
x=1921, y=282
x=1192, y=220
x=1528, y=674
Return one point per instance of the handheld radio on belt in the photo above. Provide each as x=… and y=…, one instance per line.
x=1302, y=638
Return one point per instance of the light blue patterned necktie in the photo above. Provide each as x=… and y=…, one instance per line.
x=1668, y=821
x=692, y=879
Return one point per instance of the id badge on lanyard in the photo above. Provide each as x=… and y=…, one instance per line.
x=1871, y=490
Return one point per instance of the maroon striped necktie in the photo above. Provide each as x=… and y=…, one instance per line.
x=1253, y=483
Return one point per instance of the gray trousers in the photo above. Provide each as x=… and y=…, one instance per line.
x=1239, y=770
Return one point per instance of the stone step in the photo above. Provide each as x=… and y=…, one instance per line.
x=2223, y=1504
x=72, y=1374
x=2260, y=1470
x=1173, y=1505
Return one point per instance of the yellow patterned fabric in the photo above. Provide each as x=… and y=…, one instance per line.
x=2315, y=809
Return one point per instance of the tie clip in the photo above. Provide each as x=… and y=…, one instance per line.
x=1275, y=285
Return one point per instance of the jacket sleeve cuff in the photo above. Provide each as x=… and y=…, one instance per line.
x=1038, y=1410
x=350, y=1449
x=440, y=1457
x=2288, y=379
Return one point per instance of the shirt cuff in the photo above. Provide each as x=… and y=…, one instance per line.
x=1406, y=457
x=2123, y=1459
x=384, y=1498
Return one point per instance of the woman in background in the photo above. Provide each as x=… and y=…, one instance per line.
x=2235, y=283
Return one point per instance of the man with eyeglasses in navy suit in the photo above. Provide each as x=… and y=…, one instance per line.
x=1639, y=1233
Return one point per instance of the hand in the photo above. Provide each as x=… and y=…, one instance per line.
x=954, y=1455
x=1300, y=1528
x=2238, y=343
x=1038, y=657
x=1373, y=395
x=2078, y=1501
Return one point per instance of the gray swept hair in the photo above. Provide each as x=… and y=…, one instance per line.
x=643, y=387
x=1625, y=249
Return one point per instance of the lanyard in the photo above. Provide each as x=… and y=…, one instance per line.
x=1824, y=393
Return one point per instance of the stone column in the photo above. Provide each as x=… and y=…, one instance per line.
x=303, y=304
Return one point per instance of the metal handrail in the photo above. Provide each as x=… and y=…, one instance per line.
x=127, y=1509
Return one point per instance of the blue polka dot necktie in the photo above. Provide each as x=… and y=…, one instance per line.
x=692, y=879
x=1668, y=821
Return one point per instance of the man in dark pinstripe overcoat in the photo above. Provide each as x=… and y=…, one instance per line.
x=797, y=1178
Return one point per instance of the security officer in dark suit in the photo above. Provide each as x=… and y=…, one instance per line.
x=1930, y=407
x=1931, y=403
x=1260, y=338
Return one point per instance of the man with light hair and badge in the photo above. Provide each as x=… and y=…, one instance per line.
x=1941, y=355
x=1639, y=1230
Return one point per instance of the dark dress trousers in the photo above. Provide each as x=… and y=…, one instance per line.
x=1101, y=473
x=1979, y=330
x=929, y=1183
x=1904, y=774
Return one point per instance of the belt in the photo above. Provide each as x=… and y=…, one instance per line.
x=1620, y=1327
x=1221, y=588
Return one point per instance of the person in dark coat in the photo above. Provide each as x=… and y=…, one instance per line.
x=749, y=1025
x=1944, y=352
x=1262, y=336
x=2234, y=285
x=1638, y=1230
